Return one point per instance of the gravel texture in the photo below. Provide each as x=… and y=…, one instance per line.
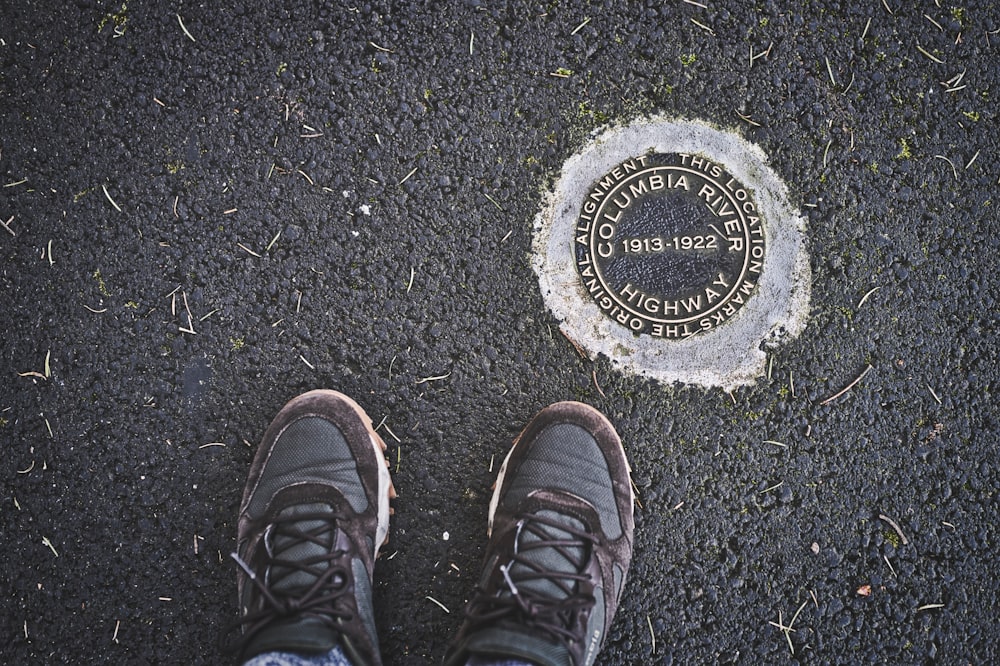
x=155, y=320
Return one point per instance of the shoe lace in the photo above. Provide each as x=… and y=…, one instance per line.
x=525, y=596
x=321, y=599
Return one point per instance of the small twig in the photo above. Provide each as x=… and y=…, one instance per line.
x=273, y=241
x=865, y=32
x=651, y=634
x=849, y=84
x=311, y=366
x=190, y=328
x=438, y=604
x=696, y=4
x=930, y=607
x=703, y=27
x=581, y=26
x=747, y=119
x=189, y=35
x=953, y=170
x=796, y=616
x=754, y=57
x=494, y=202
x=954, y=81
x=935, y=395
x=788, y=630
x=391, y=433
x=972, y=160
x=922, y=50
x=593, y=373
x=829, y=70
x=865, y=297
x=771, y=441
x=173, y=300
x=6, y=225
x=848, y=387
x=576, y=345
x=892, y=522
x=409, y=285
x=408, y=176
x=245, y=248
x=205, y=446
x=45, y=541
x=433, y=379
x=105, y=188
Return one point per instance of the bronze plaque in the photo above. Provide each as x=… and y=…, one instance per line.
x=669, y=245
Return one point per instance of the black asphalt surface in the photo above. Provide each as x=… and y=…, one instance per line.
x=209, y=210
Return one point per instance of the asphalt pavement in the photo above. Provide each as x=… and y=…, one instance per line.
x=208, y=210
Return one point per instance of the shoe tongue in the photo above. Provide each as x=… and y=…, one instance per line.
x=293, y=549
x=562, y=559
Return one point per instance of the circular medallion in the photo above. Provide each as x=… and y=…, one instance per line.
x=669, y=244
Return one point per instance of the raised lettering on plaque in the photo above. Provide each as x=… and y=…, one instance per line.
x=669, y=245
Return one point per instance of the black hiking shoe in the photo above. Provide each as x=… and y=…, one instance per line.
x=315, y=512
x=560, y=528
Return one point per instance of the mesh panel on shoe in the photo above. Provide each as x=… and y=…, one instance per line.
x=310, y=450
x=587, y=475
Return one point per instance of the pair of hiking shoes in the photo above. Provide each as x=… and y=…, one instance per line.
x=315, y=512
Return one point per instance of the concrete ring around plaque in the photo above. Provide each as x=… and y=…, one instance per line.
x=671, y=248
